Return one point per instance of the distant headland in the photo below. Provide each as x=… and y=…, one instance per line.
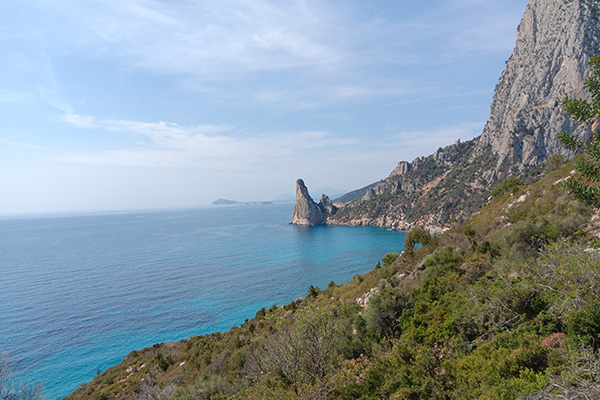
x=225, y=202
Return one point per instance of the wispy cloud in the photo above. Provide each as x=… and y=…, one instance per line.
x=49, y=95
x=14, y=141
x=306, y=140
x=207, y=37
x=422, y=142
x=81, y=121
x=207, y=147
x=167, y=134
x=247, y=93
x=296, y=52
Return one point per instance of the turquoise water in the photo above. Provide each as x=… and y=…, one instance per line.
x=79, y=293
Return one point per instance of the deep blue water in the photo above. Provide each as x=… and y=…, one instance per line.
x=79, y=293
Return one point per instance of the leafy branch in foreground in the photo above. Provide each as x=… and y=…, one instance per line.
x=586, y=188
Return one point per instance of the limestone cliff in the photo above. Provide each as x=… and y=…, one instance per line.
x=555, y=40
x=306, y=211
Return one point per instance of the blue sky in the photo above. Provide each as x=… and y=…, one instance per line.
x=145, y=104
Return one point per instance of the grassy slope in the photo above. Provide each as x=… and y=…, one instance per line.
x=502, y=306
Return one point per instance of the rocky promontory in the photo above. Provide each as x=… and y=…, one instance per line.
x=555, y=40
x=307, y=211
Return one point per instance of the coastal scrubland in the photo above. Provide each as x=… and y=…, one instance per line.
x=502, y=306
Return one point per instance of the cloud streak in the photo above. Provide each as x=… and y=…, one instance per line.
x=300, y=51
x=207, y=147
x=206, y=37
x=426, y=141
x=213, y=147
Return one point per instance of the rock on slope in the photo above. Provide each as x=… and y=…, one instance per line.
x=555, y=40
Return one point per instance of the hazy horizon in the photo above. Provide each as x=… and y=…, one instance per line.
x=146, y=105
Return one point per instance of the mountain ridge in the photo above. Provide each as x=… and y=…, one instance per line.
x=555, y=39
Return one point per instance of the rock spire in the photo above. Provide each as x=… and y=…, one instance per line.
x=306, y=211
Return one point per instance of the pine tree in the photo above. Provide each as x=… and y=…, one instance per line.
x=585, y=187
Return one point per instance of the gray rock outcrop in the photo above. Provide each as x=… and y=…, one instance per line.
x=307, y=212
x=555, y=40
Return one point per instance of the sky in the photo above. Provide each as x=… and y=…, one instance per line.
x=156, y=104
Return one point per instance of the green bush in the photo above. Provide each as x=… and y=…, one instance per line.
x=163, y=362
x=442, y=260
x=512, y=185
x=389, y=259
x=584, y=325
x=385, y=307
x=313, y=291
x=416, y=235
x=180, y=394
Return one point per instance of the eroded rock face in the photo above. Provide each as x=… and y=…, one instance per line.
x=402, y=168
x=326, y=206
x=555, y=40
x=306, y=211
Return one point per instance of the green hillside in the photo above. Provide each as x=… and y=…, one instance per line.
x=502, y=306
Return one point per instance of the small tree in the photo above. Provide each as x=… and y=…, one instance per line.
x=389, y=259
x=304, y=351
x=416, y=235
x=313, y=291
x=586, y=187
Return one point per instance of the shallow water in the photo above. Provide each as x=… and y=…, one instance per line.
x=79, y=293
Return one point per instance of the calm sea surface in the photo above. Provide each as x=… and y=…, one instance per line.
x=79, y=293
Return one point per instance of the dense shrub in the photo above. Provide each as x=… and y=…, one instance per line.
x=389, y=259
x=584, y=325
x=386, y=307
x=508, y=185
x=416, y=235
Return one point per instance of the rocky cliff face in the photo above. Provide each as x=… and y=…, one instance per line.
x=307, y=212
x=429, y=191
x=555, y=40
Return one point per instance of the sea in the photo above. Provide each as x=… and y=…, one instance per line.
x=79, y=292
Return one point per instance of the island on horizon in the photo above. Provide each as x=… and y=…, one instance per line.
x=226, y=202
